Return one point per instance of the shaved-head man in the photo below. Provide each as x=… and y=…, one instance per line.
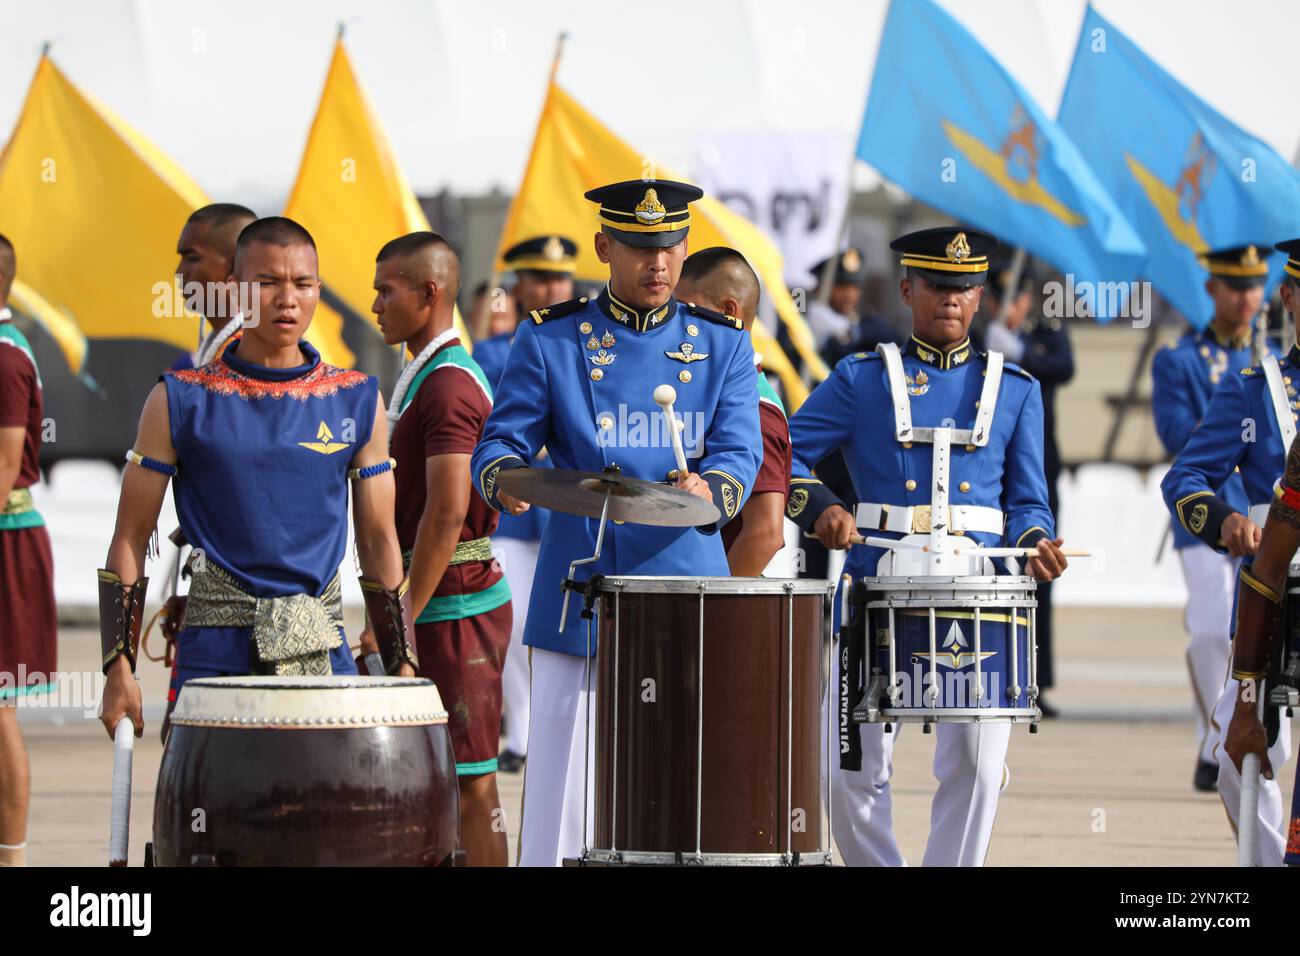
x=720, y=279
x=207, y=257
x=207, y=250
x=273, y=443
x=458, y=593
x=28, y=630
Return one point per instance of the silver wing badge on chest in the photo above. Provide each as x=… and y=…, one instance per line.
x=687, y=354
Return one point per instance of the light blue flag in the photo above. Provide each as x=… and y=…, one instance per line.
x=1188, y=178
x=948, y=124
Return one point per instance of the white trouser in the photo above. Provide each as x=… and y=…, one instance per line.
x=1211, y=581
x=552, y=825
x=1270, y=840
x=968, y=763
x=518, y=560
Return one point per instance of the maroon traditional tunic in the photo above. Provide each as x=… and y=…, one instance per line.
x=28, y=634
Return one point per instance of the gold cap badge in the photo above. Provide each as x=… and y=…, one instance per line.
x=650, y=210
x=1250, y=257
x=959, y=248
x=851, y=261
x=553, y=250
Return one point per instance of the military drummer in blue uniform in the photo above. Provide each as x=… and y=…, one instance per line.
x=999, y=496
x=580, y=381
x=1219, y=490
x=1184, y=375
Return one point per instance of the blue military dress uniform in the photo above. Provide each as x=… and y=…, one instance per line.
x=491, y=354
x=580, y=382
x=850, y=411
x=1184, y=376
x=1239, y=433
x=1002, y=478
x=1238, y=437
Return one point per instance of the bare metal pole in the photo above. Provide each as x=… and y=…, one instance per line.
x=1130, y=395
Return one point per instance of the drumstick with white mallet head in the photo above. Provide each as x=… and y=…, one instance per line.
x=119, y=828
x=665, y=396
x=896, y=543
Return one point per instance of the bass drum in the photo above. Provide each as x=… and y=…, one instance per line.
x=708, y=721
x=307, y=771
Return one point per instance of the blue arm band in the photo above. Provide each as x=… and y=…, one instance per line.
x=371, y=470
x=153, y=464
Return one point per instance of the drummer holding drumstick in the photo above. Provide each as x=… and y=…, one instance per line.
x=998, y=494
x=580, y=381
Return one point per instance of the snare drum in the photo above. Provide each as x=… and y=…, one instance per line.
x=307, y=771
x=948, y=649
x=708, y=741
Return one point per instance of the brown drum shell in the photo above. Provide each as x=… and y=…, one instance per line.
x=748, y=729
x=371, y=796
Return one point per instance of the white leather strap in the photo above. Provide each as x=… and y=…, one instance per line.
x=1281, y=406
x=908, y=519
x=897, y=390
x=988, y=400
x=1259, y=513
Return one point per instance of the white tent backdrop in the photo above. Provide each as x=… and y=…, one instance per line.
x=228, y=87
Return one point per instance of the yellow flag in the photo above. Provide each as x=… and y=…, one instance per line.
x=352, y=196
x=93, y=210
x=57, y=323
x=574, y=152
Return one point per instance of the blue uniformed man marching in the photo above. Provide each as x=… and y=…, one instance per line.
x=1219, y=489
x=1184, y=376
x=580, y=381
x=1000, y=496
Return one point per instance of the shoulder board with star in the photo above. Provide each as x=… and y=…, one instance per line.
x=716, y=317
x=860, y=356
x=557, y=311
x=1249, y=371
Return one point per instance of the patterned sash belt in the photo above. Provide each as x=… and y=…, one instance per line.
x=478, y=549
x=292, y=635
x=19, y=502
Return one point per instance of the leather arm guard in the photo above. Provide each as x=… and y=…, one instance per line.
x=1259, y=618
x=392, y=622
x=121, y=613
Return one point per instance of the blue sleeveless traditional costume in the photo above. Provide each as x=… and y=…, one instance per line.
x=262, y=489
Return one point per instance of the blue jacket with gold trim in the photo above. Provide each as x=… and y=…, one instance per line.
x=579, y=381
x=853, y=411
x=1238, y=431
x=1183, y=377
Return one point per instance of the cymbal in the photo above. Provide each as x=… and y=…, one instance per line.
x=630, y=499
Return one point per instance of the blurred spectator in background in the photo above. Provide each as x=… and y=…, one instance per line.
x=1040, y=346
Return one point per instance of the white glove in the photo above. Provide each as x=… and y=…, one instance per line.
x=999, y=338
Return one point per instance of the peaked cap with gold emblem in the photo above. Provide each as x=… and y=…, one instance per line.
x=1241, y=267
x=542, y=254
x=646, y=213
x=954, y=256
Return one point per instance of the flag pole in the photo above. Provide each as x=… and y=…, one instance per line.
x=480, y=326
x=1012, y=288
